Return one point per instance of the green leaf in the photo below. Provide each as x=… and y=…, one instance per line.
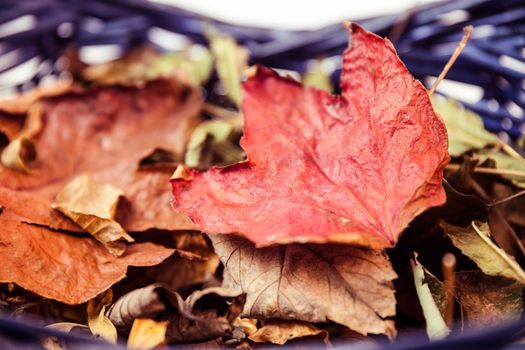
x=192, y=66
x=465, y=128
x=318, y=77
x=435, y=324
x=210, y=141
x=474, y=242
x=230, y=61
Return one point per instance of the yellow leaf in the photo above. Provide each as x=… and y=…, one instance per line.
x=280, y=331
x=92, y=206
x=474, y=241
x=98, y=323
x=18, y=153
x=147, y=334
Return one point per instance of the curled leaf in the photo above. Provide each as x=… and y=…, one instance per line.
x=205, y=314
x=147, y=334
x=313, y=283
x=92, y=206
x=40, y=260
x=141, y=303
x=474, y=241
x=280, y=331
x=98, y=323
x=354, y=168
x=21, y=150
x=435, y=324
x=18, y=153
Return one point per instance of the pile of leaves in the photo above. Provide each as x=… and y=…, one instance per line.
x=293, y=214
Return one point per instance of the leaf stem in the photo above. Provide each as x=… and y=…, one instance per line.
x=448, y=264
x=468, y=31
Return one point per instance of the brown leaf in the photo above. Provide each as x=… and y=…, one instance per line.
x=104, y=133
x=488, y=300
x=193, y=266
x=145, y=302
x=314, y=283
x=63, y=267
x=21, y=103
x=205, y=314
x=280, y=331
x=92, y=206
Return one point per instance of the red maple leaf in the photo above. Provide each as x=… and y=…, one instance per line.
x=352, y=168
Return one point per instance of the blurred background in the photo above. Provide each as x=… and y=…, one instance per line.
x=487, y=78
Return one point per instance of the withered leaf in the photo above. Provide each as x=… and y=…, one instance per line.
x=488, y=300
x=104, y=133
x=474, y=241
x=18, y=153
x=63, y=267
x=352, y=168
x=147, y=334
x=21, y=103
x=98, y=323
x=205, y=314
x=144, y=302
x=465, y=128
x=315, y=283
x=210, y=313
x=280, y=331
x=92, y=206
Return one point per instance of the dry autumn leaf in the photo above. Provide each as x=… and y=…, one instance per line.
x=315, y=283
x=205, y=314
x=474, y=241
x=92, y=206
x=59, y=266
x=280, y=331
x=354, y=168
x=488, y=300
x=104, y=133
